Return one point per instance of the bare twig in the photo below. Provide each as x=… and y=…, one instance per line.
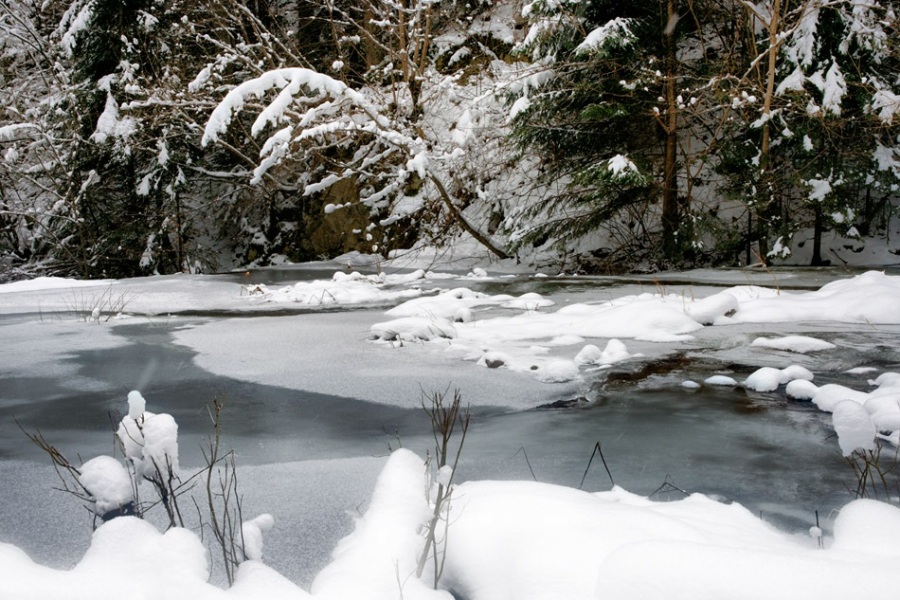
x=597, y=450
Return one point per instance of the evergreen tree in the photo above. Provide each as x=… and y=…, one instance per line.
x=619, y=92
x=822, y=145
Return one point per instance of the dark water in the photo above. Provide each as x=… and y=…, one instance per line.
x=752, y=448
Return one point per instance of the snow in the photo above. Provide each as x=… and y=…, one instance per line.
x=515, y=539
x=108, y=483
x=767, y=379
x=615, y=351
x=616, y=32
x=854, y=427
x=793, y=343
x=149, y=441
x=343, y=290
x=50, y=283
x=252, y=535
x=867, y=298
x=505, y=539
x=722, y=380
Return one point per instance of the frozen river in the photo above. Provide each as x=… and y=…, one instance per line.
x=312, y=406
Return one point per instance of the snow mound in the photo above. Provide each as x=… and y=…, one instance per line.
x=557, y=371
x=509, y=539
x=854, y=427
x=828, y=396
x=343, y=289
x=108, y=483
x=767, y=379
x=615, y=351
x=801, y=389
x=385, y=541
x=707, y=310
x=867, y=298
x=413, y=329
x=793, y=343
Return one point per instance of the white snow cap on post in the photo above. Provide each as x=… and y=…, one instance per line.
x=854, y=427
x=252, y=534
x=136, y=405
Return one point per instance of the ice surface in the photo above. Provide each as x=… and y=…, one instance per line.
x=52, y=283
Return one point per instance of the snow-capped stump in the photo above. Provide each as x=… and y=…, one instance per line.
x=793, y=343
x=854, y=427
x=109, y=485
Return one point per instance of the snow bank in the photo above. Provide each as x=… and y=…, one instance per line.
x=378, y=560
x=130, y=558
x=871, y=297
x=515, y=539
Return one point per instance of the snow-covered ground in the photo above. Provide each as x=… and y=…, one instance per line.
x=510, y=342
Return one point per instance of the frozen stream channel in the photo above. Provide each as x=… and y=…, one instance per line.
x=312, y=405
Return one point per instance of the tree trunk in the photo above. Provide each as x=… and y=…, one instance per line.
x=765, y=191
x=671, y=216
x=480, y=237
x=817, y=238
